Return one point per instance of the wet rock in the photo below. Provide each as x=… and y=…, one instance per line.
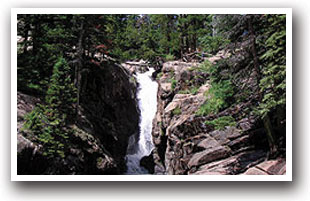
x=148, y=163
x=136, y=66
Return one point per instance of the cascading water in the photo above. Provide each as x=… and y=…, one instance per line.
x=147, y=101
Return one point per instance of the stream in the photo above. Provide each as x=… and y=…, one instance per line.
x=147, y=102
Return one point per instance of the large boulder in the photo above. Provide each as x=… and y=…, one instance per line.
x=148, y=163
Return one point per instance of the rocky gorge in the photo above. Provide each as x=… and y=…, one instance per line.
x=170, y=94
x=183, y=143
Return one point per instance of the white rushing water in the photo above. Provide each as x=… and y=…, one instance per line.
x=147, y=101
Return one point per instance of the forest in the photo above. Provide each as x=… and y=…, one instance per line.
x=220, y=93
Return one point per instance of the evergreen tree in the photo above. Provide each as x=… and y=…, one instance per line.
x=273, y=60
x=48, y=121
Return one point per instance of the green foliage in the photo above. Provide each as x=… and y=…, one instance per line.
x=133, y=81
x=184, y=92
x=205, y=67
x=149, y=36
x=217, y=98
x=192, y=90
x=176, y=111
x=221, y=122
x=48, y=122
x=48, y=36
x=212, y=44
x=159, y=75
x=48, y=130
x=169, y=57
x=273, y=82
x=61, y=93
x=173, y=83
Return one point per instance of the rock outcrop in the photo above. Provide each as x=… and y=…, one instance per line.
x=136, y=66
x=271, y=167
x=109, y=107
x=184, y=144
x=108, y=115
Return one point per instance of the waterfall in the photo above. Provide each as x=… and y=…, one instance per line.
x=147, y=101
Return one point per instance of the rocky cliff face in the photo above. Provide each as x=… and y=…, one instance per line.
x=108, y=115
x=109, y=105
x=184, y=144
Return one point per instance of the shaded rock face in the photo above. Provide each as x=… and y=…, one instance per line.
x=148, y=163
x=29, y=157
x=109, y=107
x=108, y=115
x=183, y=142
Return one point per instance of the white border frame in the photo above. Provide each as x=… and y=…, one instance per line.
x=287, y=177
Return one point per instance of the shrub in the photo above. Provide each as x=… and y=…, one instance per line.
x=194, y=90
x=205, y=67
x=159, y=75
x=184, y=91
x=176, y=111
x=169, y=57
x=221, y=122
x=217, y=97
x=173, y=83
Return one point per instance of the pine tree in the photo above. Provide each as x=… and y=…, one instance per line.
x=48, y=121
x=273, y=84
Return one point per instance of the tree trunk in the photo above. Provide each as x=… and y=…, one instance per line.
x=79, y=65
x=253, y=49
x=26, y=31
x=266, y=119
x=270, y=135
x=35, y=34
